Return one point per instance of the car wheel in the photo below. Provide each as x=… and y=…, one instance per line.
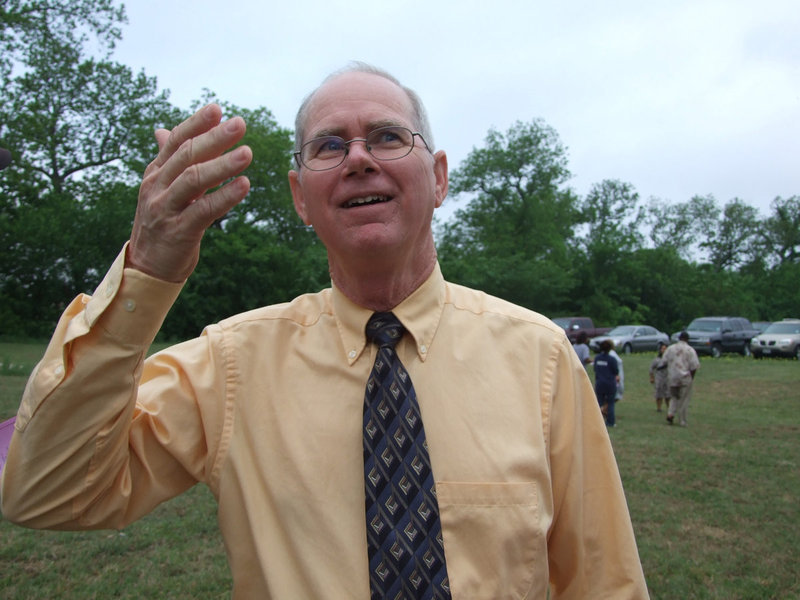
x=716, y=350
x=627, y=349
x=746, y=350
x=797, y=352
x=757, y=355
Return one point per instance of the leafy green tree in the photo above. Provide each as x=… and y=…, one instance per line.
x=780, y=234
x=606, y=281
x=731, y=243
x=682, y=226
x=80, y=130
x=24, y=23
x=613, y=215
x=513, y=239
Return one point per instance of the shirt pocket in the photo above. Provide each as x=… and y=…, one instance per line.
x=494, y=541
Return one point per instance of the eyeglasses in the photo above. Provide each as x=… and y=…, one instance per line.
x=384, y=143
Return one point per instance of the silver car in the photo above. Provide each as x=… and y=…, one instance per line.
x=632, y=338
x=782, y=338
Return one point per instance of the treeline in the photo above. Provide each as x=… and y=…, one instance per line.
x=80, y=125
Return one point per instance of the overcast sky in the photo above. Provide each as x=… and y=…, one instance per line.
x=678, y=97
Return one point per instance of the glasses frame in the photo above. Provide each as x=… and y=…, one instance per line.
x=299, y=153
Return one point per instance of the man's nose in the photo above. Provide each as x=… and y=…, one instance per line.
x=359, y=157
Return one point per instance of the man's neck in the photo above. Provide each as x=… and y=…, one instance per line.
x=381, y=287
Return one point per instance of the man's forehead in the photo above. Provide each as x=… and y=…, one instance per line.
x=350, y=94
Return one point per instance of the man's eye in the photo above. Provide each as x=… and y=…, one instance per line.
x=328, y=146
x=388, y=137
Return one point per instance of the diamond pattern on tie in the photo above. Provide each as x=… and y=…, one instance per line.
x=404, y=535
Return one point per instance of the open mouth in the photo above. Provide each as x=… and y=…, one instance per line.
x=366, y=201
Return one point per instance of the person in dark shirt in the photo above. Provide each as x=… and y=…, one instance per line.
x=606, y=377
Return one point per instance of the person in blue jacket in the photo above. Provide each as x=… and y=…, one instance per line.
x=606, y=378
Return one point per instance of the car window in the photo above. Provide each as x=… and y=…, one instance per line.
x=704, y=325
x=621, y=330
x=735, y=324
x=790, y=328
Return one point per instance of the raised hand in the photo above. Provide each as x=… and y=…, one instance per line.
x=174, y=209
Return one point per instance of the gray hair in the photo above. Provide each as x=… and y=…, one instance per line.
x=419, y=114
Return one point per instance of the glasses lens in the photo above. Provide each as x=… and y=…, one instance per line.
x=384, y=143
x=387, y=143
x=323, y=152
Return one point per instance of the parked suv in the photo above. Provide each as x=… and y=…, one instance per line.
x=715, y=335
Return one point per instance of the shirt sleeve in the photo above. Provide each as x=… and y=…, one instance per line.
x=86, y=453
x=591, y=545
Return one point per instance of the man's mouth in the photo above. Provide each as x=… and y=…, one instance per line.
x=366, y=201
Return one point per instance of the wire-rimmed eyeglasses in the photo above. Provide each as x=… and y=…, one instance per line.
x=384, y=143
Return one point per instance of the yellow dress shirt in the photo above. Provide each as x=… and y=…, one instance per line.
x=265, y=408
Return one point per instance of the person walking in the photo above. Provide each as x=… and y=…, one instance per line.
x=606, y=380
x=582, y=349
x=682, y=364
x=658, y=378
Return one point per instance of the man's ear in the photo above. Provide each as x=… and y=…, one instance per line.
x=297, y=196
x=442, y=177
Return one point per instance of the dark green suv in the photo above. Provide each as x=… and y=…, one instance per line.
x=715, y=335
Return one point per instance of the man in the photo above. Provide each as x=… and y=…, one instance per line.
x=606, y=381
x=269, y=408
x=682, y=364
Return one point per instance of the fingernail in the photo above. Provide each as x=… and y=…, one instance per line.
x=231, y=125
x=241, y=154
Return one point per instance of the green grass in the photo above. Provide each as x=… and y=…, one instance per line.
x=715, y=506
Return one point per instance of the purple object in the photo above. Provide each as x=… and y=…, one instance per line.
x=6, y=429
x=5, y=158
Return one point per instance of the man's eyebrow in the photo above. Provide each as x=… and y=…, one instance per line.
x=371, y=126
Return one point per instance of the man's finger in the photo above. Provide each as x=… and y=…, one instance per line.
x=200, y=122
x=202, y=213
x=194, y=181
x=201, y=149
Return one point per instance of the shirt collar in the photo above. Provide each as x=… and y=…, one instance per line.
x=420, y=314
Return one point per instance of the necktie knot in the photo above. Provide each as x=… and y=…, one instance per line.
x=384, y=329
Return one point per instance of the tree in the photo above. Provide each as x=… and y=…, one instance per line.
x=731, y=243
x=682, y=226
x=24, y=23
x=606, y=273
x=612, y=212
x=780, y=233
x=80, y=130
x=513, y=238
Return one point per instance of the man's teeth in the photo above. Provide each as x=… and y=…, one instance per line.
x=366, y=200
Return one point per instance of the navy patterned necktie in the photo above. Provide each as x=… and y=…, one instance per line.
x=404, y=536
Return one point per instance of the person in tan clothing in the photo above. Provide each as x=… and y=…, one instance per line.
x=682, y=364
x=266, y=407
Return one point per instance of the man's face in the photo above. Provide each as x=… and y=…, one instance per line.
x=403, y=193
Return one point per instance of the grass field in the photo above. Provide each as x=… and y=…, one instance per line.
x=715, y=505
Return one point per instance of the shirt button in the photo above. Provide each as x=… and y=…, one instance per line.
x=423, y=348
x=352, y=354
x=129, y=305
x=109, y=289
x=59, y=370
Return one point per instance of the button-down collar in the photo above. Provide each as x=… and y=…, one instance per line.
x=419, y=313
